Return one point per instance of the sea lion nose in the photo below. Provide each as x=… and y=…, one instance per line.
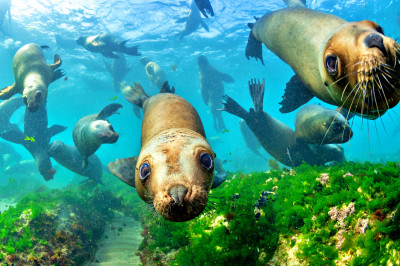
x=375, y=40
x=178, y=193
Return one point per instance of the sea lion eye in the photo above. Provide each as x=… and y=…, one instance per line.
x=144, y=171
x=331, y=62
x=206, y=161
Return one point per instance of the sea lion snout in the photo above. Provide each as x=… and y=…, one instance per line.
x=178, y=193
x=375, y=40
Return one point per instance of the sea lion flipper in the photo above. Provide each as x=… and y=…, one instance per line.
x=57, y=62
x=136, y=95
x=133, y=50
x=204, y=25
x=218, y=180
x=108, y=111
x=226, y=77
x=59, y=73
x=55, y=129
x=296, y=94
x=257, y=94
x=232, y=107
x=124, y=169
x=165, y=88
x=8, y=92
x=254, y=46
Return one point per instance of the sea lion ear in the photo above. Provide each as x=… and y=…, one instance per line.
x=218, y=180
x=373, y=25
x=124, y=169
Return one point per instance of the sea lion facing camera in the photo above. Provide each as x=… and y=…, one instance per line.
x=175, y=168
x=107, y=44
x=347, y=64
x=32, y=76
x=91, y=131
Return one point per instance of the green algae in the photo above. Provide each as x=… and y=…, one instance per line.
x=346, y=213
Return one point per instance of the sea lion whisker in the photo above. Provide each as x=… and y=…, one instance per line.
x=326, y=133
x=341, y=98
x=352, y=73
x=383, y=92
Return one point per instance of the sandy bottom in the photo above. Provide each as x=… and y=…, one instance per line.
x=119, y=243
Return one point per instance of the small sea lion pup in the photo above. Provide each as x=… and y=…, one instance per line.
x=347, y=64
x=212, y=89
x=32, y=76
x=107, y=44
x=154, y=72
x=274, y=136
x=175, y=168
x=315, y=124
x=93, y=130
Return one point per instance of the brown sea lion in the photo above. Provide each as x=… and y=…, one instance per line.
x=212, y=89
x=93, y=130
x=32, y=76
x=315, y=124
x=175, y=168
x=154, y=72
x=347, y=64
x=274, y=136
x=107, y=44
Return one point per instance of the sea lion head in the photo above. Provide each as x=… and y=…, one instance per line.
x=144, y=60
x=35, y=92
x=202, y=61
x=174, y=172
x=103, y=131
x=360, y=69
x=81, y=40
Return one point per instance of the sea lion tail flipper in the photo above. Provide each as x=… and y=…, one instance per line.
x=108, y=111
x=254, y=46
x=232, y=107
x=218, y=180
x=257, y=94
x=133, y=50
x=296, y=94
x=124, y=169
x=136, y=95
x=59, y=73
x=55, y=129
x=165, y=88
x=57, y=62
x=8, y=92
x=204, y=25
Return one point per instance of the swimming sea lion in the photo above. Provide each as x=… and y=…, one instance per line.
x=107, y=44
x=249, y=138
x=93, y=130
x=204, y=7
x=347, y=64
x=212, y=89
x=175, y=168
x=153, y=72
x=32, y=76
x=126, y=90
x=315, y=124
x=69, y=157
x=118, y=70
x=274, y=136
x=5, y=7
x=193, y=20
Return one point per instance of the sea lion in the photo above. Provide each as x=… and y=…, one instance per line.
x=193, y=20
x=126, y=90
x=274, y=136
x=32, y=76
x=154, y=72
x=5, y=7
x=93, y=130
x=8, y=154
x=315, y=124
x=7, y=109
x=204, y=7
x=175, y=168
x=249, y=138
x=69, y=157
x=212, y=89
x=118, y=69
x=107, y=44
x=347, y=64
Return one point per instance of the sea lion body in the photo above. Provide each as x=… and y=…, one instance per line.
x=337, y=61
x=249, y=138
x=193, y=20
x=69, y=157
x=10, y=131
x=91, y=131
x=107, y=44
x=154, y=72
x=32, y=76
x=173, y=156
x=212, y=89
x=315, y=124
x=118, y=69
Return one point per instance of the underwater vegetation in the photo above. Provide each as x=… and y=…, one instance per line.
x=343, y=214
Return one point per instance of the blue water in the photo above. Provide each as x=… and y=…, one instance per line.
x=152, y=26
